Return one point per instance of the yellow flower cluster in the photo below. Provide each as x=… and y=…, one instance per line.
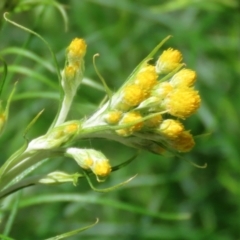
x=73, y=72
x=168, y=100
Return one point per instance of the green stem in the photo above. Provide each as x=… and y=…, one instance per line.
x=66, y=104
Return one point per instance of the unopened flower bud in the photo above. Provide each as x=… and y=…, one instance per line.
x=184, y=142
x=56, y=137
x=129, y=118
x=131, y=96
x=90, y=159
x=113, y=117
x=146, y=78
x=153, y=122
x=171, y=128
x=168, y=61
x=162, y=89
x=184, y=78
x=76, y=50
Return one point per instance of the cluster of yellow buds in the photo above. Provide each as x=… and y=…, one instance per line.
x=147, y=112
x=152, y=103
x=72, y=74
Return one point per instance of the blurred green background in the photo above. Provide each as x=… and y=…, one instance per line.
x=123, y=32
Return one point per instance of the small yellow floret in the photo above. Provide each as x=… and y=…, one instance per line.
x=133, y=95
x=146, y=78
x=77, y=48
x=162, y=89
x=72, y=128
x=184, y=142
x=153, y=122
x=101, y=168
x=168, y=61
x=128, y=119
x=184, y=78
x=113, y=117
x=182, y=102
x=171, y=128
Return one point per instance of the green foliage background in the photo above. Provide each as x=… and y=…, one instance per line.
x=123, y=33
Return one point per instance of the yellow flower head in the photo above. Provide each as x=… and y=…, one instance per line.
x=101, y=168
x=171, y=128
x=132, y=95
x=162, y=90
x=168, y=61
x=146, y=78
x=184, y=142
x=182, y=102
x=184, y=78
x=127, y=119
x=113, y=117
x=77, y=49
x=153, y=122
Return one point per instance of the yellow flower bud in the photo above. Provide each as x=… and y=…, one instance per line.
x=76, y=49
x=101, y=168
x=153, y=122
x=87, y=163
x=113, y=117
x=184, y=78
x=56, y=137
x=182, y=102
x=132, y=95
x=70, y=72
x=146, y=78
x=90, y=159
x=127, y=119
x=162, y=90
x=71, y=128
x=168, y=61
x=184, y=142
x=171, y=128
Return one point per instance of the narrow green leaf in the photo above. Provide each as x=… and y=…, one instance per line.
x=72, y=233
x=28, y=54
x=90, y=199
x=33, y=75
